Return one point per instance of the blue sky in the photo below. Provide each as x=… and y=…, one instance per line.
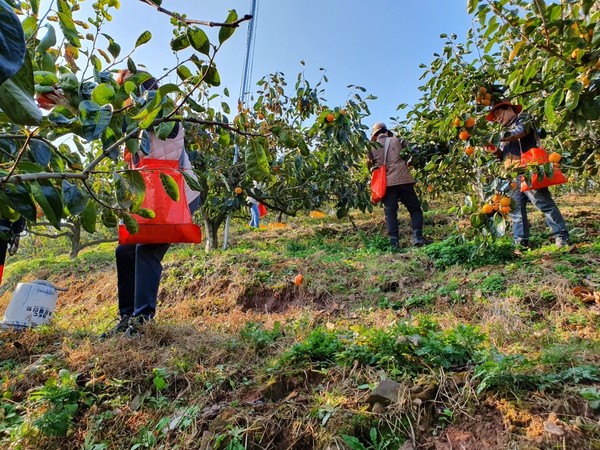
x=376, y=44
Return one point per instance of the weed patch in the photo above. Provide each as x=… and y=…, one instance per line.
x=454, y=250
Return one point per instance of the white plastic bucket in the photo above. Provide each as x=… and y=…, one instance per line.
x=32, y=304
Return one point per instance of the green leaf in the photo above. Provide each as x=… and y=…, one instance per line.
x=571, y=100
x=103, y=94
x=549, y=170
x=89, y=217
x=109, y=220
x=180, y=42
x=45, y=78
x=353, y=442
x=16, y=97
x=499, y=224
x=49, y=199
x=184, y=73
x=199, y=40
x=131, y=65
x=212, y=76
x=122, y=191
x=257, y=163
x=75, y=201
x=151, y=111
x=540, y=172
x=164, y=129
x=170, y=186
x=471, y=5
x=341, y=212
x=113, y=48
x=143, y=38
x=130, y=223
x=12, y=42
x=137, y=188
x=40, y=151
x=94, y=119
x=226, y=32
x=191, y=182
x=48, y=41
x=35, y=6
x=587, y=5
x=20, y=200
x=552, y=103
x=65, y=20
x=6, y=212
x=145, y=213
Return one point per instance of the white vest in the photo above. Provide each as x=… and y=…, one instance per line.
x=173, y=150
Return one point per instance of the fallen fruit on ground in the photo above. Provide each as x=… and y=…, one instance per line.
x=298, y=279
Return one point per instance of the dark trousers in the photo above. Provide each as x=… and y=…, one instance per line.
x=139, y=267
x=404, y=193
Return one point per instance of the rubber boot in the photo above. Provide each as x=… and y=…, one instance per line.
x=418, y=238
x=394, y=244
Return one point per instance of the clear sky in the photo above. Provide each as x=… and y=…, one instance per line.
x=376, y=44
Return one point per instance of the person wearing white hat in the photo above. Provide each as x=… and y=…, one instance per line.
x=400, y=184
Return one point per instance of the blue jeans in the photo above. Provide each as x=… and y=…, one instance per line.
x=139, y=268
x=254, y=215
x=542, y=200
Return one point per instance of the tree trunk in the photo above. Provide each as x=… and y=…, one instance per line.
x=211, y=239
x=75, y=239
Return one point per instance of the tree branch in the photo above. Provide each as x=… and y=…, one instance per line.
x=182, y=19
x=19, y=156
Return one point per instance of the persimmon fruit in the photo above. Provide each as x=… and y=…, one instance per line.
x=554, y=157
x=464, y=135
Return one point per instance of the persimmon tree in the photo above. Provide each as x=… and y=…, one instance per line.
x=543, y=55
x=291, y=157
x=68, y=162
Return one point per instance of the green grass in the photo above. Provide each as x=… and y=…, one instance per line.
x=238, y=349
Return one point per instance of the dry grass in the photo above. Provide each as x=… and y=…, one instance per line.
x=239, y=392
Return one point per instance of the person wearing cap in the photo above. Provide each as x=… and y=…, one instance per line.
x=400, y=184
x=519, y=136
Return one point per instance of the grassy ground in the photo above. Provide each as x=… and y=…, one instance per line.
x=497, y=350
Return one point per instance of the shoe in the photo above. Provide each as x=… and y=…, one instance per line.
x=561, y=242
x=419, y=240
x=120, y=327
x=136, y=325
x=394, y=243
x=521, y=243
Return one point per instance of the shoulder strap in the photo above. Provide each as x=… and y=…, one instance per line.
x=385, y=150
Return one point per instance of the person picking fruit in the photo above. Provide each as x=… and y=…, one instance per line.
x=518, y=137
x=400, y=184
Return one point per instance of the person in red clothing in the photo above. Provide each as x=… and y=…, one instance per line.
x=400, y=184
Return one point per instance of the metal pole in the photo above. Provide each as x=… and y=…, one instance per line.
x=246, y=79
